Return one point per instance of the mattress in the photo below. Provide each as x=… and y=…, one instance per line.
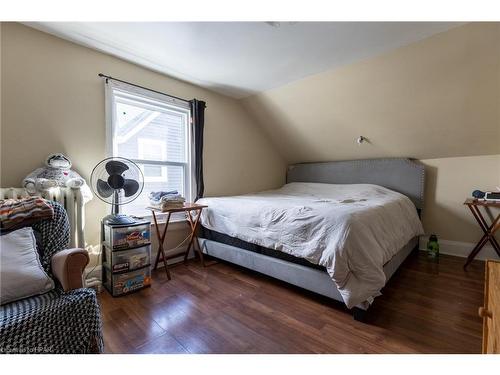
x=351, y=230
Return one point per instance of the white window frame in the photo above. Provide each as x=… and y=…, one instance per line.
x=123, y=92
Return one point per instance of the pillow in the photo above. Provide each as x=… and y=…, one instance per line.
x=38, y=239
x=21, y=273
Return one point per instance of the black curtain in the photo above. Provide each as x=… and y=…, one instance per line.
x=198, y=124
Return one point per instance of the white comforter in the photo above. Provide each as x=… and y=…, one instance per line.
x=352, y=230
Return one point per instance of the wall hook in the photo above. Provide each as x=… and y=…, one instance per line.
x=361, y=140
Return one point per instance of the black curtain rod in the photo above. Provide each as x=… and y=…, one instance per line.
x=141, y=87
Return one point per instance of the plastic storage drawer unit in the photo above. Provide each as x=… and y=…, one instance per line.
x=126, y=257
x=123, y=283
x=127, y=260
x=125, y=237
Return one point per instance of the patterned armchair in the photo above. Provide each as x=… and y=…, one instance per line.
x=64, y=320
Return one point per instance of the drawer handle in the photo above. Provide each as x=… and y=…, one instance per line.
x=484, y=313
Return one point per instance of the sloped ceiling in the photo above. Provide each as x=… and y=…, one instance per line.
x=242, y=58
x=439, y=97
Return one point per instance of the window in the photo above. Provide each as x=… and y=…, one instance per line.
x=152, y=149
x=153, y=131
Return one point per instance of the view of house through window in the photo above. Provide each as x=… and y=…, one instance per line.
x=153, y=133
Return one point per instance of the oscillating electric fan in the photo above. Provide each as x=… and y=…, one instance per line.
x=117, y=181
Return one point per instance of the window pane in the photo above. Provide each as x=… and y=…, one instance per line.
x=150, y=135
x=174, y=180
x=153, y=171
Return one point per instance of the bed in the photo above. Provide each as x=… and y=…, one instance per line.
x=339, y=229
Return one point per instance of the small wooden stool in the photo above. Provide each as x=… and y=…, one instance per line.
x=188, y=208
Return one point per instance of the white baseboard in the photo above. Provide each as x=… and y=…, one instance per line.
x=460, y=249
x=455, y=248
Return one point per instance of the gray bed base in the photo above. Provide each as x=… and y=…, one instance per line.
x=305, y=277
x=403, y=175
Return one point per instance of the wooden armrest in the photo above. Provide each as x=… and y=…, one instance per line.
x=68, y=266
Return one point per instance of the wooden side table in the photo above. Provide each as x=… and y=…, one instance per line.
x=188, y=208
x=488, y=229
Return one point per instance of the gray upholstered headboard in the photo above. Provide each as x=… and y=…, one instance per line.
x=402, y=175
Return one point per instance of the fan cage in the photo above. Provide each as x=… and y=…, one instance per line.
x=133, y=172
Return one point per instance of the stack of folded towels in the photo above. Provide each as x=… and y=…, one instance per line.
x=164, y=200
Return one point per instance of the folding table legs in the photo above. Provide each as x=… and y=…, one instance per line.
x=161, y=240
x=489, y=233
x=192, y=238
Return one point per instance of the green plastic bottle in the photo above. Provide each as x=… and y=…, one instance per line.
x=433, y=246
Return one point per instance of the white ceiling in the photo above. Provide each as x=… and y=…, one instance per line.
x=242, y=58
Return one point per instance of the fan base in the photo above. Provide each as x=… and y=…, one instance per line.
x=119, y=219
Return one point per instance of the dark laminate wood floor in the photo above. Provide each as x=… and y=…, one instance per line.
x=425, y=308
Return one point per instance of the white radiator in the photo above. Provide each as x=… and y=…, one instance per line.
x=72, y=201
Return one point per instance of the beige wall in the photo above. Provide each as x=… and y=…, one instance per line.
x=449, y=181
x=1, y=27
x=53, y=101
x=437, y=100
x=432, y=99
